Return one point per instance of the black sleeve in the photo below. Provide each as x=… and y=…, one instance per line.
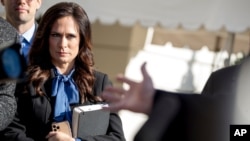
x=165, y=109
x=7, y=103
x=194, y=117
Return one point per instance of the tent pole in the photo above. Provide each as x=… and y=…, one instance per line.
x=216, y=50
x=229, y=47
x=149, y=37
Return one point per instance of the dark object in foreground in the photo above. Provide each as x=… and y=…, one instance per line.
x=12, y=64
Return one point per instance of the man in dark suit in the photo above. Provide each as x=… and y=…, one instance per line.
x=21, y=14
x=187, y=117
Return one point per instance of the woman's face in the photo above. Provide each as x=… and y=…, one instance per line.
x=64, y=41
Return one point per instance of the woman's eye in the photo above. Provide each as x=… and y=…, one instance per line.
x=54, y=35
x=70, y=36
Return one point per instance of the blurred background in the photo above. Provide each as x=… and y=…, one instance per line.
x=183, y=41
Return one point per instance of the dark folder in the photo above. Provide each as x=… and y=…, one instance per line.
x=89, y=120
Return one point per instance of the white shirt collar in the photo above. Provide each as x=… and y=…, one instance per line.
x=28, y=35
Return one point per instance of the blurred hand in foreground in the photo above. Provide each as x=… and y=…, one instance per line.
x=138, y=97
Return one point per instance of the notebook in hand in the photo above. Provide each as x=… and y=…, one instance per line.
x=89, y=120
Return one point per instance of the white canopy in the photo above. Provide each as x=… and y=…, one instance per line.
x=190, y=14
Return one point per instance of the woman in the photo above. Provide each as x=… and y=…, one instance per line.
x=61, y=74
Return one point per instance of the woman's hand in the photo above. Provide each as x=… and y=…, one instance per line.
x=59, y=136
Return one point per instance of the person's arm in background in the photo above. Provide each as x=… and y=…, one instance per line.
x=138, y=98
x=169, y=114
x=7, y=103
x=175, y=116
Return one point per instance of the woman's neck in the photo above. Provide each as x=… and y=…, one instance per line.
x=64, y=69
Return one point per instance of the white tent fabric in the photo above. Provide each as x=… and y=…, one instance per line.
x=190, y=14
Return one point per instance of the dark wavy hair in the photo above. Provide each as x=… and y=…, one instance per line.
x=40, y=65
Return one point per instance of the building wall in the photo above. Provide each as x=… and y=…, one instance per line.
x=114, y=45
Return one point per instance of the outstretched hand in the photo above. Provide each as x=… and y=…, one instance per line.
x=138, y=97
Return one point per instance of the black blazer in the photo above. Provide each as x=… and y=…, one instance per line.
x=34, y=116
